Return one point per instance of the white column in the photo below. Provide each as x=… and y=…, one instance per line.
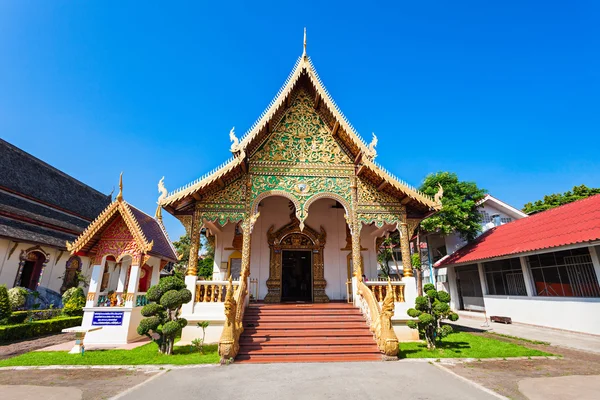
x=121, y=283
x=132, y=287
x=527, y=277
x=155, y=274
x=190, y=284
x=482, y=280
x=94, y=287
x=122, y=278
x=454, y=301
x=595, y=260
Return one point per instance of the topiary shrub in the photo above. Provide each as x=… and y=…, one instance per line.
x=17, y=297
x=162, y=323
x=431, y=310
x=5, y=309
x=75, y=301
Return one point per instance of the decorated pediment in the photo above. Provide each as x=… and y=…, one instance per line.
x=301, y=136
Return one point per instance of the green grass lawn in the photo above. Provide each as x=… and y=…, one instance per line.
x=467, y=345
x=146, y=354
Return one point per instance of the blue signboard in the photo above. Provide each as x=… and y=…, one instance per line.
x=107, y=318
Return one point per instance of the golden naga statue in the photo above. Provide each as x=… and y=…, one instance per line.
x=229, y=344
x=387, y=340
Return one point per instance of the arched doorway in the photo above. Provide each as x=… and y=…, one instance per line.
x=30, y=269
x=296, y=263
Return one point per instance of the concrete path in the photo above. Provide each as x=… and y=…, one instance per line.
x=580, y=387
x=555, y=337
x=29, y=392
x=331, y=381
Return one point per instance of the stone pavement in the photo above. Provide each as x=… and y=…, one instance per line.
x=30, y=392
x=555, y=337
x=332, y=381
x=580, y=387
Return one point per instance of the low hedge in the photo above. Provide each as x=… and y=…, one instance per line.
x=37, y=328
x=19, y=317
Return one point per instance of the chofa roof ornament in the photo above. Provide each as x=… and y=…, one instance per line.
x=438, y=196
x=120, y=195
x=235, y=142
x=372, y=151
x=163, y=194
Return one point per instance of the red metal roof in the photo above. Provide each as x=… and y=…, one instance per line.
x=577, y=222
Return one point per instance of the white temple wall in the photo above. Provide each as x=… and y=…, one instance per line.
x=52, y=273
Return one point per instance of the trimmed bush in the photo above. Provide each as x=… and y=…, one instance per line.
x=430, y=310
x=5, y=309
x=37, y=328
x=75, y=303
x=162, y=323
x=18, y=317
x=17, y=297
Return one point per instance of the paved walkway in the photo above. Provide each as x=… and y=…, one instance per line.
x=332, y=381
x=580, y=387
x=30, y=392
x=553, y=336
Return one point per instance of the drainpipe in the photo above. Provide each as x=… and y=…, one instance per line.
x=431, y=280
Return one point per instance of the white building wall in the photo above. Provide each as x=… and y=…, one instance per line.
x=275, y=211
x=52, y=273
x=568, y=313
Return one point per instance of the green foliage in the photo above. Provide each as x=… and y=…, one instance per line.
x=385, y=253
x=17, y=297
x=459, y=205
x=143, y=355
x=205, y=268
x=559, y=199
x=75, y=303
x=18, y=317
x=467, y=345
x=151, y=309
x=415, y=259
x=205, y=265
x=162, y=323
x=430, y=311
x=67, y=294
x=37, y=328
x=5, y=309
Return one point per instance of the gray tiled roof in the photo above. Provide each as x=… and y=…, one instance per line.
x=25, y=174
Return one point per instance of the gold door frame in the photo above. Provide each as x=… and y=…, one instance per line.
x=291, y=237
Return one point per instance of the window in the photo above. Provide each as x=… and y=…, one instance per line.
x=505, y=277
x=442, y=278
x=568, y=273
x=485, y=217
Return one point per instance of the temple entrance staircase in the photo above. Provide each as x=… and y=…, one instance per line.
x=297, y=332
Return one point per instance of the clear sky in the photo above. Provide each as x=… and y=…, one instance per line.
x=506, y=94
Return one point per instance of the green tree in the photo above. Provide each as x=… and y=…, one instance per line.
x=559, y=199
x=5, y=309
x=205, y=264
x=430, y=310
x=162, y=323
x=460, y=205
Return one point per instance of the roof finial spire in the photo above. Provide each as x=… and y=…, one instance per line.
x=304, y=52
x=120, y=195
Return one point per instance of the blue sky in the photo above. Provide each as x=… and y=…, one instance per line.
x=506, y=94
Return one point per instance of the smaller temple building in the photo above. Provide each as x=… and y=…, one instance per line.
x=41, y=208
x=128, y=249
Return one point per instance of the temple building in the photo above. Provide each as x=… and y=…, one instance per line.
x=296, y=215
x=128, y=249
x=41, y=208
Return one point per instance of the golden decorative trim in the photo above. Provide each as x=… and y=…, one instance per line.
x=91, y=296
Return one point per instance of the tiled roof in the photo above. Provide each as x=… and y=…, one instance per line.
x=577, y=222
x=32, y=178
x=154, y=232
